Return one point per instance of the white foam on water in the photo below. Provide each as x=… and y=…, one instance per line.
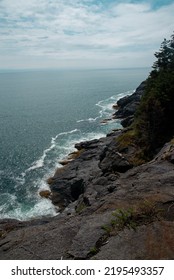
x=43, y=207
x=106, y=106
x=90, y=120
x=60, y=146
x=80, y=121
x=123, y=94
x=40, y=162
x=11, y=208
x=66, y=148
x=64, y=133
x=20, y=180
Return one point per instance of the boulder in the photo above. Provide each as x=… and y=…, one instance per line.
x=112, y=161
x=45, y=193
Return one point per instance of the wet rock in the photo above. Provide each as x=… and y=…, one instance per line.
x=88, y=191
x=45, y=193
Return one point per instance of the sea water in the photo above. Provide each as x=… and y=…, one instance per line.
x=42, y=115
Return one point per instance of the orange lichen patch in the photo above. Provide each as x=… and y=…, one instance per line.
x=115, y=106
x=155, y=249
x=59, y=171
x=50, y=181
x=45, y=193
x=104, y=121
x=71, y=157
x=75, y=154
x=65, y=161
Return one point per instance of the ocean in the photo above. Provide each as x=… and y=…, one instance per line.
x=42, y=115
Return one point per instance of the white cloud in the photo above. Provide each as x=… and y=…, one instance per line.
x=74, y=33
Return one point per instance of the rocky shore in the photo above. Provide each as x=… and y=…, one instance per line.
x=109, y=207
x=127, y=106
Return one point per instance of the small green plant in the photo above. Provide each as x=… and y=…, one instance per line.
x=93, y=250
x=106, y=228
x=80, y=207
x=124, y=218
x=132, y=217
x=126, y=139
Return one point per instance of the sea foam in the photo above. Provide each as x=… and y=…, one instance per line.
x=60, y=146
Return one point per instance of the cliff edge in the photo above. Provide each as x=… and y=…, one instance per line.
x=109, y=207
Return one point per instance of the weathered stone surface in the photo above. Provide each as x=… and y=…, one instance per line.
x=80, y=231
x=47, y=241
x=112, y=160
x=88, y=235
x=148, y=242
x=81, y=174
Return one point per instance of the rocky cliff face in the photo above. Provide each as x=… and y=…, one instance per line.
x=109, y=209
x=128, y=105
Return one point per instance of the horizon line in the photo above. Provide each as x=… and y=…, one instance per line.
x=70, y=69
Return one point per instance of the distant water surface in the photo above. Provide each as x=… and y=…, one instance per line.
x=42, y=115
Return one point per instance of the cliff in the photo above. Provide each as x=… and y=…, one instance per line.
x=111, y=207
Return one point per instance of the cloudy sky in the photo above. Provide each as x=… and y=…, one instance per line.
x=82, y=33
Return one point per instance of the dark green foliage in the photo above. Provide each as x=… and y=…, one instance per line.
x=154, y=121
x=164, y=56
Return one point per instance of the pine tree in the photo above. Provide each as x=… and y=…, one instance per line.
x=154, y=119
x=165, y=56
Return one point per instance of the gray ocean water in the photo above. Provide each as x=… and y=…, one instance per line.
x=42, y=115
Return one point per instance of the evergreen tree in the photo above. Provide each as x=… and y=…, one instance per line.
x=155, y=118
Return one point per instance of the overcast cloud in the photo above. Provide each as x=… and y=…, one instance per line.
x=82, y=33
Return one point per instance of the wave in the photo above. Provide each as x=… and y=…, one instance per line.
x=40, y=162
x=90, y=120
x=27, y=203
x=63, y=133
x=67, y=145
x=106, y=107
x=12, y=209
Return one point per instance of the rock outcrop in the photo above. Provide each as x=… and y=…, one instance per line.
x=127, y=105
x=108, y=211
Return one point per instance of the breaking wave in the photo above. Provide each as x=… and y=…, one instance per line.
x=26, y=203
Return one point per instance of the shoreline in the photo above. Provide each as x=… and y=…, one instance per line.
x=105, y=203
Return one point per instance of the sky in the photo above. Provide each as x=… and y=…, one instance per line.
x=82, y=34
